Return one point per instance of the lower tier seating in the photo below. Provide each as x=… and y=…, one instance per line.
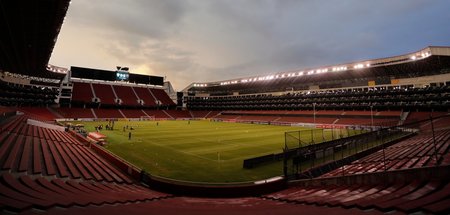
x=177, y=114
x=75, y=112
x=430, y=196
x=205, y=206
x=108, y=113
x=418, y=151
x=25, y=192
x=33, y=150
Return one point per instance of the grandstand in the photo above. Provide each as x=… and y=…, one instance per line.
x=127, y=95
x=399, y=161
x=82, y=92
x=105, y=93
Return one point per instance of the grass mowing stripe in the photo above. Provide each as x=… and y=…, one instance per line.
x=179, y=151
x=200, y=151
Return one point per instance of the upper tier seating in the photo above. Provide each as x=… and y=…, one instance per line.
x=127, y=95
x=162, y=96
x=82, y=92
x=348, y=99
x=24, y=95
x=105, y=93
x=146, y=96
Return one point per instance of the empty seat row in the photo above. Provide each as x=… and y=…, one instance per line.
x=33, y=150
x=33, y=155
x=24, y=192
x=416, y=196
x=418, y=151
x=176, y=114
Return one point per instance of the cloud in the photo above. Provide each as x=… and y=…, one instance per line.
x=202, y=40
x=147, y=18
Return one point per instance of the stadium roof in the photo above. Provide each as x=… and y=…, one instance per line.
x=426, y=61
x=29, y=32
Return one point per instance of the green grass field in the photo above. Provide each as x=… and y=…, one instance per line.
x=200, y=151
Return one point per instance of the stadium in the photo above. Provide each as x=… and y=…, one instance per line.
x=363, y=137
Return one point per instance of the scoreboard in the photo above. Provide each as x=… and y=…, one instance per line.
x=121, y=74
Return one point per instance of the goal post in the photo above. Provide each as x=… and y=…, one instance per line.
x=147, y=118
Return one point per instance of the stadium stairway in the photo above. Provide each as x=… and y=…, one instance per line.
x=93, y=113
x=127, y=95
x=161, y=95
x=145, y=95
x=165, y=112
x=105, y=93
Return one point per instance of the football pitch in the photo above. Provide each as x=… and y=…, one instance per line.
x=200, y=151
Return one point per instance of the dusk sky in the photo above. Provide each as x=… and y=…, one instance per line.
x=211, y=40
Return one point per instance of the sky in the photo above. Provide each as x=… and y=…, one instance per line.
x=190, y=41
